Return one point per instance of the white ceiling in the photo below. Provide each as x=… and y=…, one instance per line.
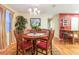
x=47, y=8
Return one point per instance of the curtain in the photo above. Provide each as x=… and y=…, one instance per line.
x=0, y=31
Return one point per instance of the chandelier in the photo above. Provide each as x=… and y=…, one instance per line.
x=34, y=11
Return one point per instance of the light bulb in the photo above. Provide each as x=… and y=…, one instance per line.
x=35, y=9
x=38, y=11
x=29, y=9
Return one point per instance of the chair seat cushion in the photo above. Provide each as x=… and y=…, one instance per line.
x=42, y=45
x=45, y=38
x=25, y=44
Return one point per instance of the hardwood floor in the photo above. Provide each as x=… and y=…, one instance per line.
x=64, y=49
x=11, y=50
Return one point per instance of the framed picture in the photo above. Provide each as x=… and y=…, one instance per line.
x=35, y=22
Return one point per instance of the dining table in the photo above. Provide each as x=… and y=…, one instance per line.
x=34, y=37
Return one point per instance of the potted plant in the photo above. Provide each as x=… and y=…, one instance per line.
x=35, y=27
x=20, y=24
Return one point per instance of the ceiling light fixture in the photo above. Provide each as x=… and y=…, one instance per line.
x=34, y=11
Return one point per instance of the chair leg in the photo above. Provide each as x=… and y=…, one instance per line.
x=17, y=50
x=47, y=52
x=51, y=49
x=32, y=50
x=22, y=52
x=36, y=51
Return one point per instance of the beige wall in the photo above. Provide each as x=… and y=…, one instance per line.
x=43, y=17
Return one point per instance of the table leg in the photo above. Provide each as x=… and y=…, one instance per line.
x=34, y=45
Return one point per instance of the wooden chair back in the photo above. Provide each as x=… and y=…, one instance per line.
x=18, y=36
x=51, y=35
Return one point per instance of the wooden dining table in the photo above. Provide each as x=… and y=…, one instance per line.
x=34, y=37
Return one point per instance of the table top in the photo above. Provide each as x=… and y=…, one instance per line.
x=34, y=35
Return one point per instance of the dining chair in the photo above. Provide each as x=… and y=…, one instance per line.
x=22, y=45
x=45, y=45
x=76, y=37
x=70, y=37
x=65, y=37
x=46, y=31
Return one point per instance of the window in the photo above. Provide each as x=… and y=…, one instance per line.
x=8, y=26
x=74, y=23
